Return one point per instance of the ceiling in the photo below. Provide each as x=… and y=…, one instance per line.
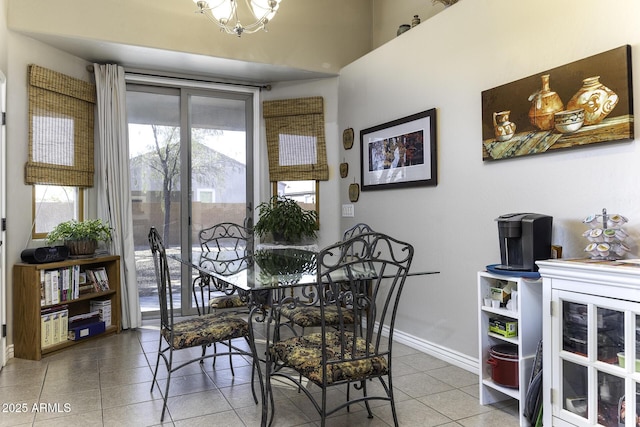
x=136, y=57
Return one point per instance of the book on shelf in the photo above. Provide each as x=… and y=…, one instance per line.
x=104, y=308
x=99, y=277
x=92, y=280
x=86, y=289
x=69, y=283
x=55, y=286
x=43, y=292
x=76, y=281
x=104, y=279
x=64, y=325
x=84, y=319
x=87, y=330
x=45, y=330
x=65, y=284
x=54, y=325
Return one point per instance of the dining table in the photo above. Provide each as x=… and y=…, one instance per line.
x=261, y=278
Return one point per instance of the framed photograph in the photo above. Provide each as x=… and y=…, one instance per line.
x=400, y=153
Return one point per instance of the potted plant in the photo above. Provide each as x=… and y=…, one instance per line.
x=81, y=237
x=286, y=221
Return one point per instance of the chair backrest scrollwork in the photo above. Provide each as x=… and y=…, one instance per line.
x=163, y=279
x=226, y=236
x=365, y=275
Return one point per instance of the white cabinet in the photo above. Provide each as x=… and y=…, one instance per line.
x=591, y=329
x=528, y=315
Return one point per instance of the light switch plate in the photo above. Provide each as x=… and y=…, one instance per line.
x=347, y=210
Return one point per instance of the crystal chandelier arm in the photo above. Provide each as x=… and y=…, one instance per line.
x=224, y=13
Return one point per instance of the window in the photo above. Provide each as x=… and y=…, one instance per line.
x=61, y=156
x=53, y=204
x=60, y=129
x=296, y=145
x=206, y=196
x=306, y=193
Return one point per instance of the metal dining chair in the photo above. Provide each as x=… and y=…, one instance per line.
x=208, y=292
x=307, y=314
x=201, y=331
x=364, y=277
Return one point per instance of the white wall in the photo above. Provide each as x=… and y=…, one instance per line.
x=23, y=51
x=388, y=15
x=445, y=63
x=3, y=40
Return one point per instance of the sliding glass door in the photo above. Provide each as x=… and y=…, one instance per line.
x=190, y=168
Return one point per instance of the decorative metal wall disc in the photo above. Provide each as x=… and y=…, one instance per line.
x=347, y=138
x=354, y=192
x=344, y=170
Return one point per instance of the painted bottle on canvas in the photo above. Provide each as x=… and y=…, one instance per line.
x=544, y=104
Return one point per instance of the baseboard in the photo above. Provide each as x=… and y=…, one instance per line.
x=450, y=356
x=9, y=354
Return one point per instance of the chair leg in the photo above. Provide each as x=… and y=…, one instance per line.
x=393, y=402
x=231, y=359
x=155, y=371
x=323, y=414
x=366, y=402
x=215, y=351
x=166, y=389
x=204, y=351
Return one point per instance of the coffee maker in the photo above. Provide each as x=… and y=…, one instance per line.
x=524, y=239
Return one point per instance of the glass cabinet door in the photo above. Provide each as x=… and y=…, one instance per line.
x=598, y=336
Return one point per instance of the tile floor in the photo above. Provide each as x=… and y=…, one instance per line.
x=106, y=382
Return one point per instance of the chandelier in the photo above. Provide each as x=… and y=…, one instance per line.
x=224, y=13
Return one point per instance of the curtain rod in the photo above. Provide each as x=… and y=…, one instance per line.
x=266, y=87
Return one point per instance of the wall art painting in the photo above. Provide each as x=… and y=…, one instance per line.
x=578, y=104
x=400, y=153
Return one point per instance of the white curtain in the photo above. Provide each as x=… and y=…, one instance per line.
x=114, y=200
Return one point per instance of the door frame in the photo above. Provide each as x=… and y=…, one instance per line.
x=3, y=216
x=252, y=95
x=250, y=99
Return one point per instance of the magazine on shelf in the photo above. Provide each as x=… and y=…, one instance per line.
x=92, y=281
x=102, y=279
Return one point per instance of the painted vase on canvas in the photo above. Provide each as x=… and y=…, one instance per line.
x=544, y=104
x=596, y=99
x=503, y=128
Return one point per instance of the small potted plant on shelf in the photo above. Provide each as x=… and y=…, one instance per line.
x=286, y=221
x=81, y=237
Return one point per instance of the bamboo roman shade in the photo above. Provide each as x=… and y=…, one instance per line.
x=60, y=129
x=295, y=139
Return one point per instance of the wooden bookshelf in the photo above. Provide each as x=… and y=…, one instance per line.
x=27, y=307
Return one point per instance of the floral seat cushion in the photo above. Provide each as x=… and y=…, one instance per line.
x=226, y=301
x=304, y=354
x=206, y=330
x=310, y=316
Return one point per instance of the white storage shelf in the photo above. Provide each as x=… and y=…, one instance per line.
x=529, y=317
